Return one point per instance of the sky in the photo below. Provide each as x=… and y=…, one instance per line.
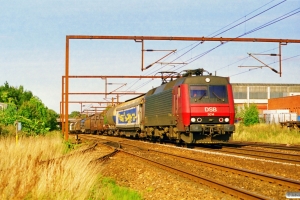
x=33, y=43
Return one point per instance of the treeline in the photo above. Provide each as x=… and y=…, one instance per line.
x=24, y=107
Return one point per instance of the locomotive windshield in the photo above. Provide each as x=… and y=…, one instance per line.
x=208, y=93
x=198, y=90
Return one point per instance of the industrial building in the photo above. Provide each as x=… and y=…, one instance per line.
x=262, y=93
x=291, y=103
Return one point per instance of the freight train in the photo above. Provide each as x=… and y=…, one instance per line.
x=193, y=108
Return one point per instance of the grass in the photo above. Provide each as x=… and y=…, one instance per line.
x=24, y=176
x=111, y=191
x=269, y=133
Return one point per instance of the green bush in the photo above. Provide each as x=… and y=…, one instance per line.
x=248, y=114
x=251, y=116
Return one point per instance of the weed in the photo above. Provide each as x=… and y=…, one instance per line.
x=270, y=133
x=25, y=175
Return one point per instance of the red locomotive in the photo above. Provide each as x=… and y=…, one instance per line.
x=194, y=108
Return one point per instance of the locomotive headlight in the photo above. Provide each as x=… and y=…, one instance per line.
x=193, y=119
x=207, y=80
x=226, y=119
x=199, y=119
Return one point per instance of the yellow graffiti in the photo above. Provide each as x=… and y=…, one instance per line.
x=121, y=118
x=129, y=118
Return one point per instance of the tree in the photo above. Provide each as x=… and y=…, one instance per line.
x=251, y=115
x=35, y=117
x=51, y=119
x=9, y=115
x=75, y=114
x=10, y=94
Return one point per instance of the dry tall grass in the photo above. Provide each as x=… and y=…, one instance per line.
x=271, y=133
x=24, y=176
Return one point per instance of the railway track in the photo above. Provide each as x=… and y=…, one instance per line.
x=288, y=158
x=258, y=154
x=240, y=193
x=224, y=187
x=264, y=145
x=100, y=155
x=261, y=176
x=247, y=174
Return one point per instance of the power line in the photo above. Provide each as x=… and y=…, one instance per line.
x=284, y=59
x=250, y=18
x=274, y=21
x=241, y=22
x=268, y=64
x=253, y=30
x=240, y=19
x=244, y=59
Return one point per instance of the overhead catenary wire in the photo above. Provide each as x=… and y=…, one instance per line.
x=239, y=19
x=284, y=59
x=244, y=58
x=267, y=64
x=289, y=14
x=204, y=53
x=269, y=23
x=253, y=30
x=250, y=18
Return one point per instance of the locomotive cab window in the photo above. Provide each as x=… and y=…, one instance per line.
x=198, y=91
x=218, y=92
x=208, y=93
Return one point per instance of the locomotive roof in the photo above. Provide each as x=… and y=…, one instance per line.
x=214, y=80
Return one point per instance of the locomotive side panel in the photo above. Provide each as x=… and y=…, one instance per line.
x=158, y=109
x=231, y=104
x=181, y=106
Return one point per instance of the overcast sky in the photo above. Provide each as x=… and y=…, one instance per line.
x=33, y=36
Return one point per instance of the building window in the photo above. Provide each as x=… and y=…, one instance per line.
x=240, y=95
x=258, y=95
x=276, y=94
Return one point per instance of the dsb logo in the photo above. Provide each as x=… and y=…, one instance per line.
x=210, y=109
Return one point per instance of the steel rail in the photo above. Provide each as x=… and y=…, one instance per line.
x=253, y=155
x=261, y=176
x=115, y=146
x=240, y=193
x=296, y=156
x=267, y=145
